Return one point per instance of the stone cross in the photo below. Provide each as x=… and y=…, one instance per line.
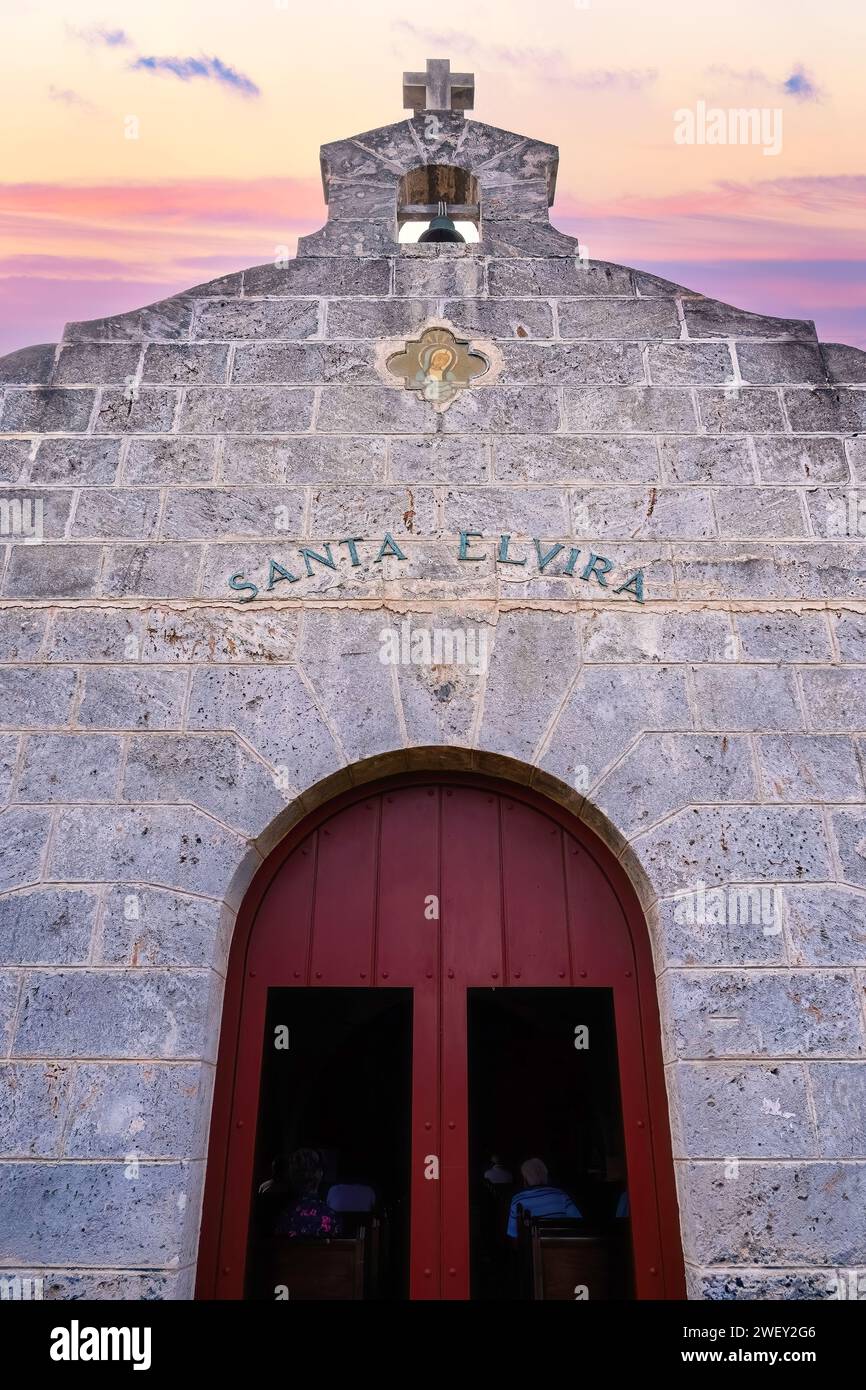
x=438, y=89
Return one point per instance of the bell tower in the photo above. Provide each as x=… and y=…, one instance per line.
x=503, y=182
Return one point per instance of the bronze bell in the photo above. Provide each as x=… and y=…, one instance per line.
x=442, y=228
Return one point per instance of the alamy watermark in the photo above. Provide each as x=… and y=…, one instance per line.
x=846, y=514
x=438, y=646
x=21, y=1290
x=731, y=125
x=22, y=520
x=734, y=905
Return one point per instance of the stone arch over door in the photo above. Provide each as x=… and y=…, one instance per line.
x=530, y=897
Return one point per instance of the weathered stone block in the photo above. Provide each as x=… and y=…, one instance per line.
x=230, y=319
x=298, y=363
x=215, y=773
x=600, y=459
x=775, y=1214
x=596, y=726
x=14, y=458
x=170, y=461
x=24, y=838
x=771, y=363
x=534, y=659
x=341, y=653
x=185, y=364
x=370, y=511
x=99, y=1216
x=139, y=1111
x=151, y=571
x=31, y=697
x=629, y=637
x=69, y=767
x=850, y=630
x=705, y=460
x=839, y=1093
x=635, y=408
x=761, y=1013
x=634, y=319
x=10, y=988
x=22, y=631
x=784, y=637
x=97, y=634
x=217, y=635
x=52, y=571
x=28, y=366
x=144, y=927
x=426, y=278
x=165, y=321
x=690, y=364
x=830, y=409
x=835, y=699
x=115, y=513
x=247, y=409
x=34, y=1101
x=504, y=409
x=326, y=275
x=737, y=844
x=371, y=318
x=131, y=698
x=825, y=924
x=511, y=279
x=573, y=364
x=46, y=410
x=849, y=827
x=746, y=697
x=305, y=459
x=439, y=698
x=215, y=513
x=810, y=768
x=86, y=461
x=245, y=700
x=787, y=460
x=47, y=926
x=747, y=409
x=742, y=1112
x=374, y=410
x=760, y=511
x=500, y=318
x=748, y=934
x=151, y=410
x=844, y=363
x=707, y=318
x=626, y=513
x=525, y=512
x=662, y=773
x=439, y=460
x=772, y=1285
x=189, y=852
x=95, y=364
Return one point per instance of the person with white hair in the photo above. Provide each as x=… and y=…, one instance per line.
x=538, y=1197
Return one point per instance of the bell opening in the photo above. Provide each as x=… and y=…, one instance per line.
x=438, y=203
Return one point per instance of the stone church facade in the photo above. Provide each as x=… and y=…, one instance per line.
x=638, y=532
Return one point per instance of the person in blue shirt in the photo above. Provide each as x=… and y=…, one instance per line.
x=538, y=1198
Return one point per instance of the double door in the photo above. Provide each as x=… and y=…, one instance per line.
x=437, y=916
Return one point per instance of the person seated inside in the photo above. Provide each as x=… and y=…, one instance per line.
x=538, y=1197
x=497, y=1174
x=355, y=1197
x=307, y=1217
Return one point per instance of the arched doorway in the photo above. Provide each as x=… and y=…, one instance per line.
x=465, y=902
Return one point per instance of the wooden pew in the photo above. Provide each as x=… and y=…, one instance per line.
x=314, y=1269
x=559, y=1257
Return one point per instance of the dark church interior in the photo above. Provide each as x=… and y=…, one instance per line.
x=543, y=1084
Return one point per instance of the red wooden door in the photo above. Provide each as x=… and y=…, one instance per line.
x=441, y=884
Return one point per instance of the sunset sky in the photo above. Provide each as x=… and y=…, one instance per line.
x=232, y=100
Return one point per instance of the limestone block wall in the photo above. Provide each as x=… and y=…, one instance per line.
x=159, y=732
